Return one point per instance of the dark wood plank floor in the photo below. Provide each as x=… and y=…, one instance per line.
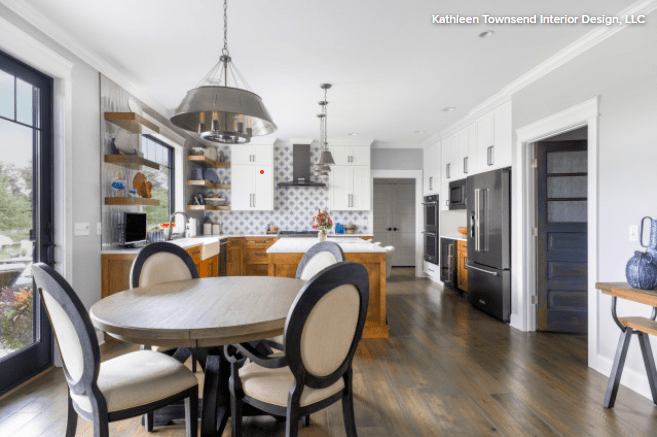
x=446, y=370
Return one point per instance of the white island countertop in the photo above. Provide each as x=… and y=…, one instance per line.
x=301, y=245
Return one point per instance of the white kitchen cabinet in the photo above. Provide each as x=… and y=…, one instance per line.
x=432, y=169
x=248, y=154
x=350, y=155
x=350, y=188
x=467, y=151
x=252, y=187
x=446, y=165
x=494, y=138
x=252, y=177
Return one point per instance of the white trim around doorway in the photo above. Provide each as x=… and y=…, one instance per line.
x=419, y=213
x=523, y=311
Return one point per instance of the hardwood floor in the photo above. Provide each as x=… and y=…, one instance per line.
x=446, y=370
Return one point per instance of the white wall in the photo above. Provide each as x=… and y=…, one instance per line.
x=397, y=159
x=85, y=156
x=620, y=71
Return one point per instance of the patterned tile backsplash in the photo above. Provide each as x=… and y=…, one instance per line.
x=294, y=207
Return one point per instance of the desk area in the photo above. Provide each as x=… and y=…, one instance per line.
x=641, y=326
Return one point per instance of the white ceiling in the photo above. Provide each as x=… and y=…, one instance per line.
x=392, y=70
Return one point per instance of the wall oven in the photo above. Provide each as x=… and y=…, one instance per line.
x=457, y=195
x=431, y=239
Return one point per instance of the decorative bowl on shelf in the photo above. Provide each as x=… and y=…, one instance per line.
x=215, y=201
x=462, y=230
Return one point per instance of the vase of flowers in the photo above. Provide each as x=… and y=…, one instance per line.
x=322, y=222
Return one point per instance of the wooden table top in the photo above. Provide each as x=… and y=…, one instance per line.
x=199, y=312
x=624, y=291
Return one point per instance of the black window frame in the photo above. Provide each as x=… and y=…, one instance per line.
x=172, y=170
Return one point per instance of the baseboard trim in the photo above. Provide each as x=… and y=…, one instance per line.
x=27, y=382
x=636, y=381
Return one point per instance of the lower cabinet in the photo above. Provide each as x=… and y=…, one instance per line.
x=234, y=256
x=255, y=255
x=209, y=267
x=115, y=273
x=461, y=262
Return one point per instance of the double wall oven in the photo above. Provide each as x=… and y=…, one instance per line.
x=431, y=229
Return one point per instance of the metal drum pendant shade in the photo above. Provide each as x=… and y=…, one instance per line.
x=222, y=108
x=223, y=114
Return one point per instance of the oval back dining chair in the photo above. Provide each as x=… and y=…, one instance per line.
x=161, y=262
x=126, y=386
x=317, y=258
x=322, y=330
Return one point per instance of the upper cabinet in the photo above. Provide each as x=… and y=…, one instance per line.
x=252, y=177
x=350, y=181
x=432, y=169
x=494, y=138
x=351, y=155
x=252, y=154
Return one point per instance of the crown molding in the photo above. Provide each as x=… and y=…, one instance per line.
x=63, y=38
x=568, y=53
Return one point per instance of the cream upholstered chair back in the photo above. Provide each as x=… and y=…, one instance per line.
x=161, y=262
x=326, y=323
x=74, y=332
x=318, y=257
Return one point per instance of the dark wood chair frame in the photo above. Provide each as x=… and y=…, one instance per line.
x=180, y=354
x=324, y=246
x=47, y=278
x=325, y=281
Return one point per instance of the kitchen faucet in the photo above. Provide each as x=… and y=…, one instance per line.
x=184, y=234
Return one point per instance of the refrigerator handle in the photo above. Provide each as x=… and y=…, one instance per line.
x=481, y=270
x=477, y=191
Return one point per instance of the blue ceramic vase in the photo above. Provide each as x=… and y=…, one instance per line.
x=641, y=272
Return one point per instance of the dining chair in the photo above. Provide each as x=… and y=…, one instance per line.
x=322, y=330
x=318, y=257
x=126, y=386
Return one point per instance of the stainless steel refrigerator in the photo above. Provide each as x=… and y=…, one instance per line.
x=489, y=242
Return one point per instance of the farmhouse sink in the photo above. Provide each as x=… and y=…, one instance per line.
x=210, y=245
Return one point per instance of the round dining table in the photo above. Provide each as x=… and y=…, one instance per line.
x=203, y=315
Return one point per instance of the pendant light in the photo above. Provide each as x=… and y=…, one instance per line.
x=325, y=159
x=222, y=108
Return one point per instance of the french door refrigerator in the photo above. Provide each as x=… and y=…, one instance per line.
x=489, y=242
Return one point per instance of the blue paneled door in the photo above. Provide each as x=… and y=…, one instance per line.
x=562, y=267
x=26, y=218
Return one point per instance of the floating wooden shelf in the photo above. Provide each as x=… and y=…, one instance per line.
x=207, y=208
x=131, y=161
x=205, y=162
x=131, y=201
x=208, y=184
x=131, y=121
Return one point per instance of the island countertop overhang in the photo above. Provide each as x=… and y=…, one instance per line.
x=301, y=245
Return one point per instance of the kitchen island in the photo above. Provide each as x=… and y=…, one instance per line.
x=284, y=256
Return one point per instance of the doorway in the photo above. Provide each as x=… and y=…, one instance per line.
x=562, y=229
x=26, y=218
x=394, y=218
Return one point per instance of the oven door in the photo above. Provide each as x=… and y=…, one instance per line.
x=431, y=217
x=431, y=247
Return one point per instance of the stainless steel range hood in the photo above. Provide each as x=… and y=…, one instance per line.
x=301, y=168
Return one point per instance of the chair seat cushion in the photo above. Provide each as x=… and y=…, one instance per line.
x=272, y=386
x=138, y=378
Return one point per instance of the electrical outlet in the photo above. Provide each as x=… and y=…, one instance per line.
x=80, y=229
x=634, y=233
x=99, y=228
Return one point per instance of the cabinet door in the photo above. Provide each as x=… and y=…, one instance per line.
x=427, y=158
x=446, y=153
x=234, y=261
x=360, y=156
x=456, y=167
x=340, y=190
x=503, y=136
x=431, y=167
x=485, y=126
x=341, y=154
x=241, y=154
x=241, y=187
x=263, y=155
x=263, y=199
x=361, y=193
x=435, y=168
x=469, y=150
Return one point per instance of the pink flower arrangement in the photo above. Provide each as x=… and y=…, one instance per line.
x=322, y=220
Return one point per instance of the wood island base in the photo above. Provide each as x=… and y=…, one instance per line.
x=376, y=324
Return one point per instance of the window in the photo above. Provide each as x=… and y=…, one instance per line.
x=163, y=180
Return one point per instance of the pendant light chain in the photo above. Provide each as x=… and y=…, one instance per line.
x=325, y=120
x=225, y=49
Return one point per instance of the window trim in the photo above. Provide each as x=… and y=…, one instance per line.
x=172, y=169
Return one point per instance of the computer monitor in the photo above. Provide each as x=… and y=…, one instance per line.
x=135, y=228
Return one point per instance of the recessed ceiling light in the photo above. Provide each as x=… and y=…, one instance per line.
x=487, y=34
x=449, y=109
x=353, y=134
x=418, y=132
